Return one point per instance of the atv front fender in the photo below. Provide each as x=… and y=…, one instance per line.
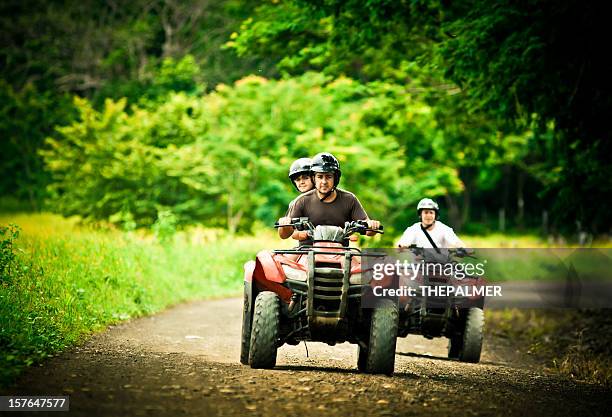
x=267, y=276
x=249, y=268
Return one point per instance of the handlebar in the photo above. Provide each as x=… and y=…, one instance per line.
x=299, y=223
x=463, y=252
x=359, y=226
x=458, y=252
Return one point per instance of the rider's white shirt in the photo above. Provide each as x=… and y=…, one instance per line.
x=442, y=235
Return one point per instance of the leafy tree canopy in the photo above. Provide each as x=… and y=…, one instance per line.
x=536, y=66
x=222, y=158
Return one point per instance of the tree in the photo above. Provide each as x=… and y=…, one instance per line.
x=222, y=159
x=518, y=67
x=26, y=117
x=142, y=50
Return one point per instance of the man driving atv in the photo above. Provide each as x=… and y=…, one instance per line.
x=326, y=204
x=429, y=232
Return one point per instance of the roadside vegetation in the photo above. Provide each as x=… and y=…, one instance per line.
x=59, y=282
x=575, y=343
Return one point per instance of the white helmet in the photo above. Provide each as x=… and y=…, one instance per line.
x=427, y=204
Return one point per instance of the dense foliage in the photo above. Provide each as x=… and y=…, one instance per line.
x=59, y=283
x=222, y=158
x=141, y=50
x=534, y=67
x=498, y=109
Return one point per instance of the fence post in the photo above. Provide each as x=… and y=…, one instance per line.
x=502, y=219
x=545, y=223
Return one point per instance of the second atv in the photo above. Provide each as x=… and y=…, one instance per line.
x=460, y=319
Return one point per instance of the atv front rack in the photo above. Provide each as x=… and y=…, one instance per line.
x=327, y=289
x=303, y=250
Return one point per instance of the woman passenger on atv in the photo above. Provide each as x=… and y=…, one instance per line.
x=299, y=174
x=429, y=232
x=325, y=204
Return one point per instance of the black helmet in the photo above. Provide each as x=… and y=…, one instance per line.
x=326, y=162
x=299, y=167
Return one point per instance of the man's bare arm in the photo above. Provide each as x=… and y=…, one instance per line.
x=287, y=231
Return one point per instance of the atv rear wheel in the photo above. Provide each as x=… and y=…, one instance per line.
x=264, y=332
x=245, y=340
x=472, y=336
x=383, y=338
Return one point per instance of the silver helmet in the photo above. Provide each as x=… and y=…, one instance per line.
x=427, y=204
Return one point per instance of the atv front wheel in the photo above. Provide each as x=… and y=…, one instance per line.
x=264, y=331
x=472, y=336
x=454, y=347
x=383, y=337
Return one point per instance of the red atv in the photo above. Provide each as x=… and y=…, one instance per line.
x=459, y=318
x=313, y=293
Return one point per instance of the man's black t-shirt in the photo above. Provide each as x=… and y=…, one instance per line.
x=346, y=207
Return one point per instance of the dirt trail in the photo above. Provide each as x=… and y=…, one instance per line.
x=184, y=361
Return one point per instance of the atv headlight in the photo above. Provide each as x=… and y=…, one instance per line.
x=294, y=274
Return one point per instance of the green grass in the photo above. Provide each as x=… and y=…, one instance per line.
x=500, y=240
x=546, y=264
x=66, y=281
x=530, y=258
x=513, y=240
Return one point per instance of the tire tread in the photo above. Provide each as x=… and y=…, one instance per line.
x=264, y=331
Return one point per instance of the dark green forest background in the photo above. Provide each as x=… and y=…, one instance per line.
x=129, y=112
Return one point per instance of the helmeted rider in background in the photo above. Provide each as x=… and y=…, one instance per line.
x=300, y=177
x=429, y=232
x=326, y=204
x=299, y=174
